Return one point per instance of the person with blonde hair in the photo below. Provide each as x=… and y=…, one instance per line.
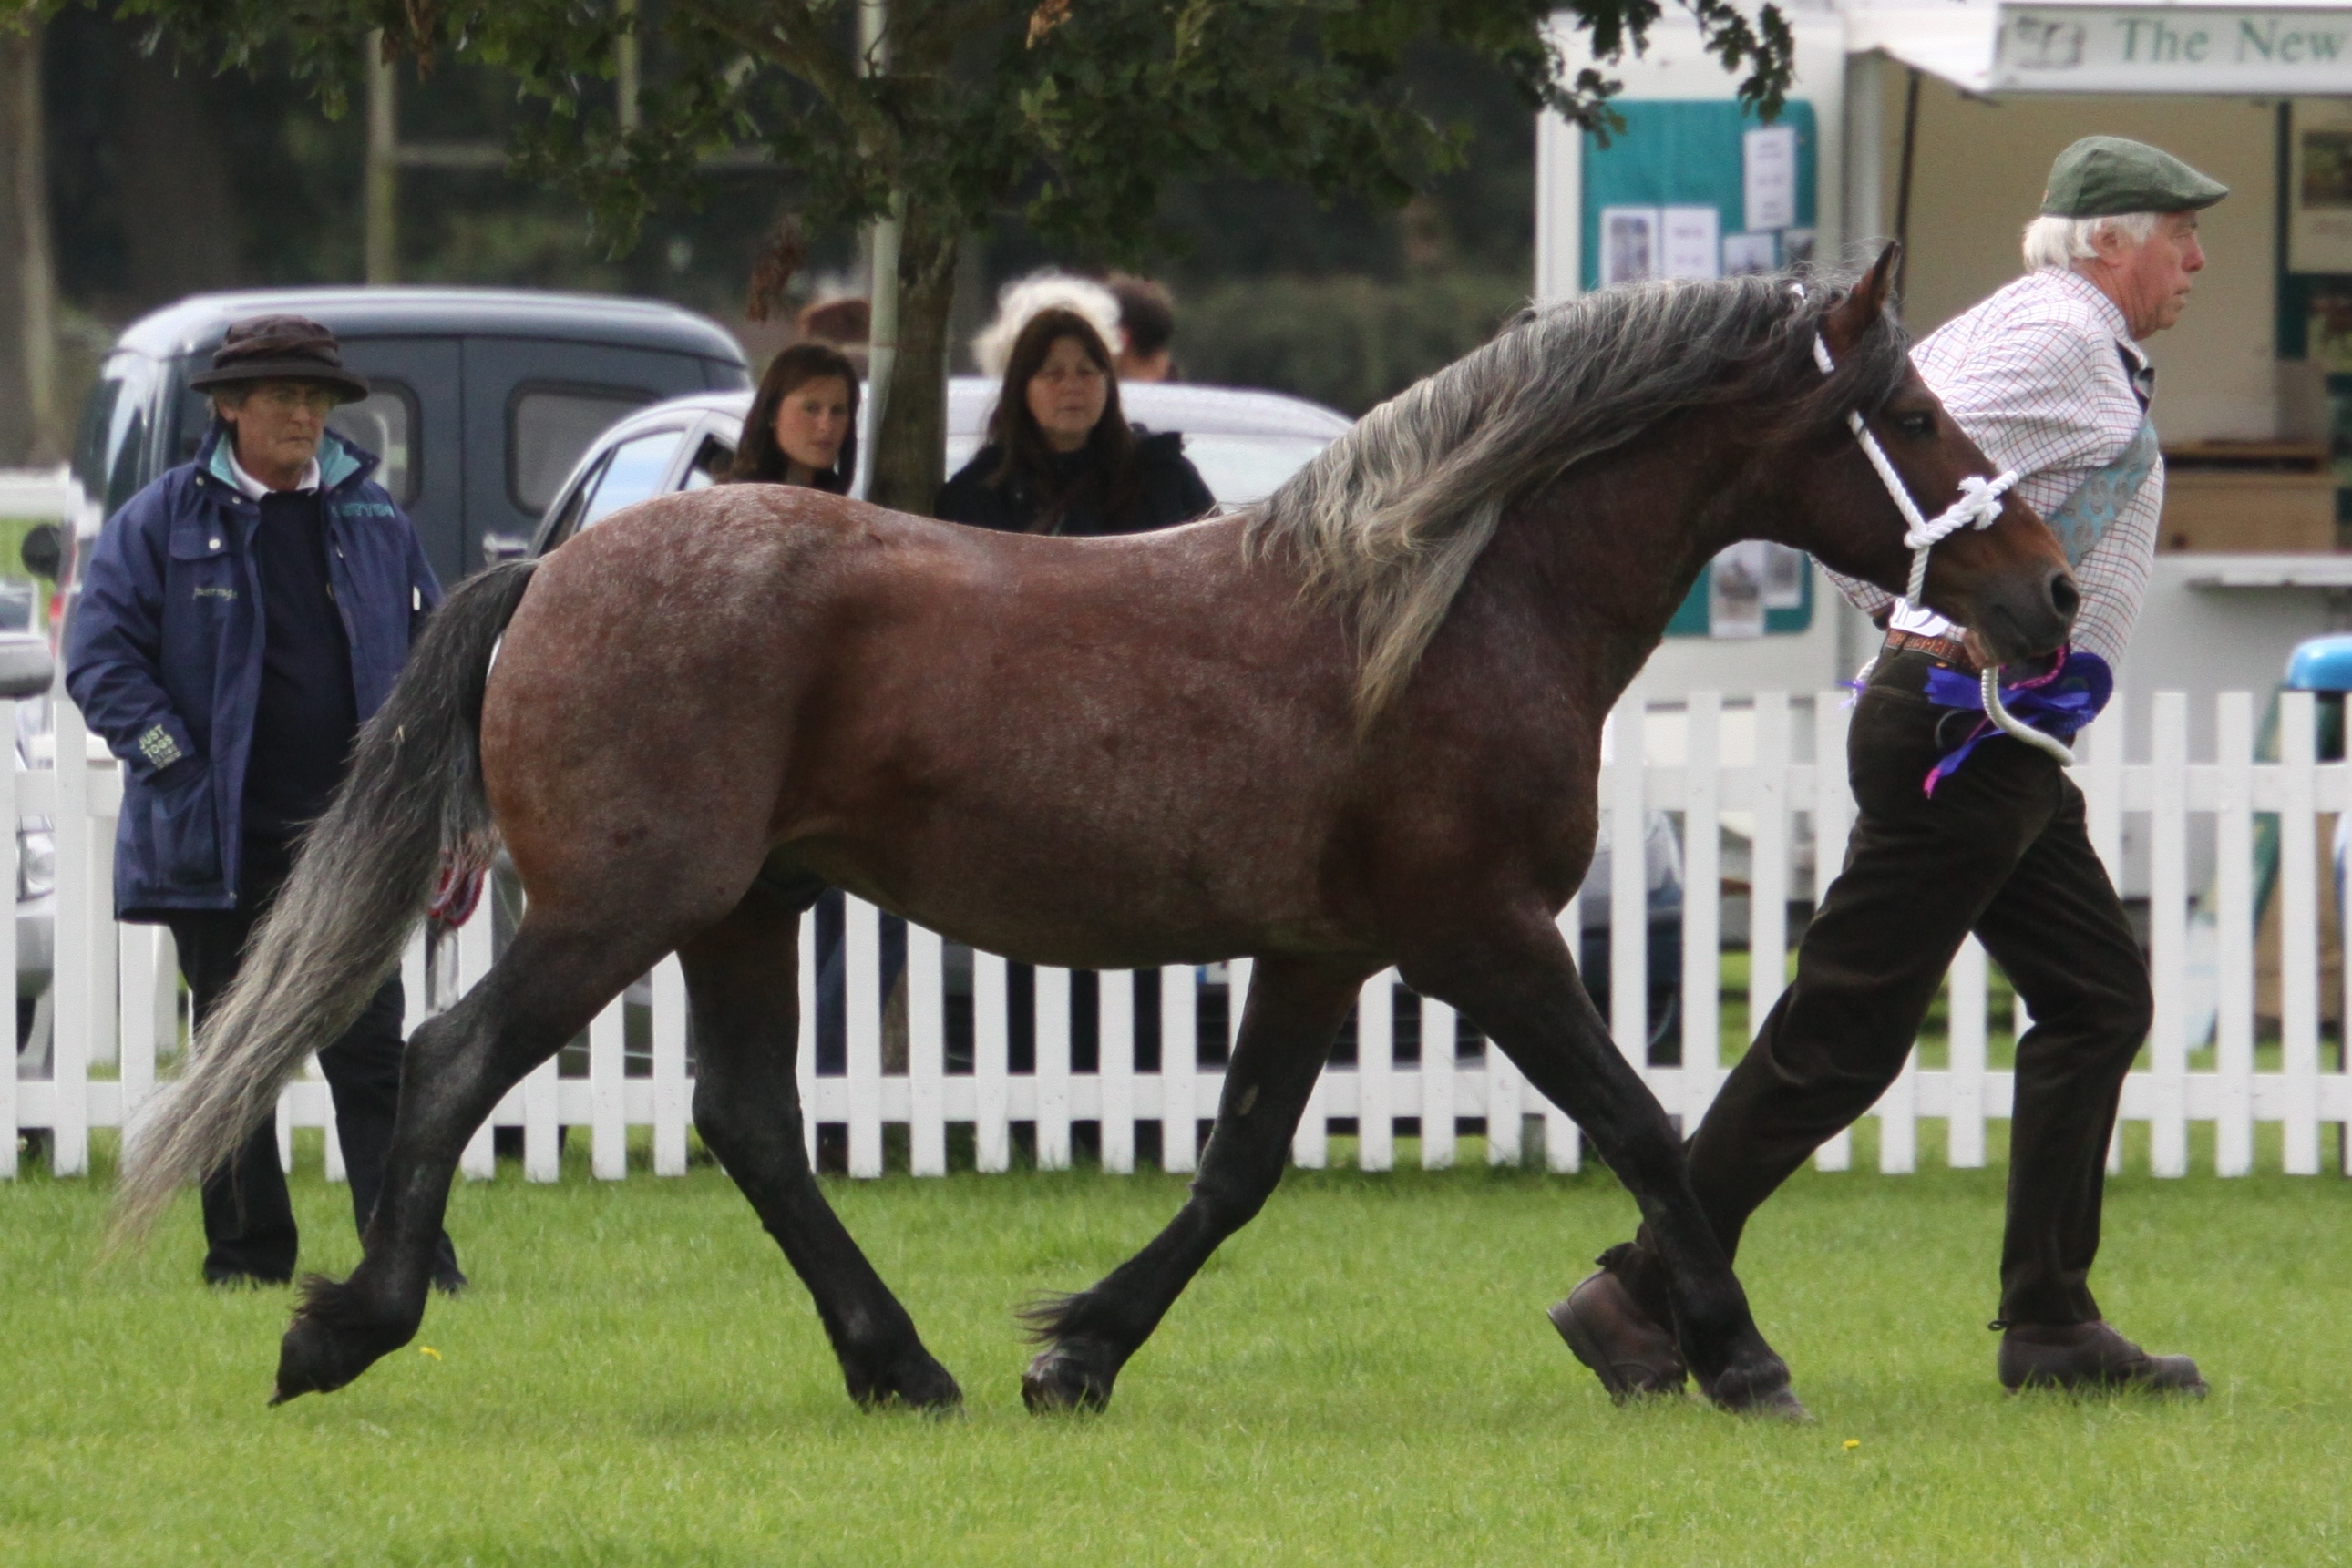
x=1019, y=302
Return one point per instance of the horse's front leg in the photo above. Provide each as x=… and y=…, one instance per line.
x=1520, y=987
x=1293, y=1013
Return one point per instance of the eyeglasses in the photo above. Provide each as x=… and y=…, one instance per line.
x=284, y=397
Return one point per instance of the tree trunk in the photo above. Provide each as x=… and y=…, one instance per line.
x=910, y=448
x=31, y=428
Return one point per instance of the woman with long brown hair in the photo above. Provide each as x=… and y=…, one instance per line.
x=1061, y=458
x=803, y=428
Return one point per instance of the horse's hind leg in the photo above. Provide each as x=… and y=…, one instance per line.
x=1522, y=990
x=541, y=992
x=742, y=983
x=1295, y=1011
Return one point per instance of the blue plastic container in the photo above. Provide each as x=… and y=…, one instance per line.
x=2321, y=664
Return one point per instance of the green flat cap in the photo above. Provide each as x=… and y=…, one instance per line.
x=2101, y=176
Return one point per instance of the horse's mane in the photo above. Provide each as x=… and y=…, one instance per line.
x=1387, y=522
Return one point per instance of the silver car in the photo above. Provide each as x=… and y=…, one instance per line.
x=1245, y=443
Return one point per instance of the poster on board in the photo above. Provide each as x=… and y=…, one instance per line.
x=1783, y=577
x=1735, y=590
x=1689, y=243
x=1767, y=167
x=1744, y=254
x=2319, y=186
x=1629, y=245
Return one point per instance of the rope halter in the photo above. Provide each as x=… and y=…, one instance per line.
x=1977, y=506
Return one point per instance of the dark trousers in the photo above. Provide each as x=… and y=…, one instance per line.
x=2000, y=851
x=248, y=1221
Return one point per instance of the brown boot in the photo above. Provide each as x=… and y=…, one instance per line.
x=2089, y=1355
x=1627, y=1348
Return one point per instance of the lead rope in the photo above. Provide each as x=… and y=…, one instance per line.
x=1977, y=506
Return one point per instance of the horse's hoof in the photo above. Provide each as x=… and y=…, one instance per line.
x=917, y=1382
x=316, y=1358
x=1761, y=1390
x=1783, y=1406
x=337, y=1333
x=1066, y=1378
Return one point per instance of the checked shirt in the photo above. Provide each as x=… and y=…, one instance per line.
x=2046, y=378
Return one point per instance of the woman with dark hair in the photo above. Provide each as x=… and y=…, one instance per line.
x=1061, y=458
x=803, y=428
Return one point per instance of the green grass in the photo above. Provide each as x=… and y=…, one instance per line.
x=1364, y=1376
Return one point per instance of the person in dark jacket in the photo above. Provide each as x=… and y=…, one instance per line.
x=239, y=620
x=1060, y=458
x=803, y=428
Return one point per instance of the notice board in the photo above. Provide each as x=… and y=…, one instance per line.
x=1708, y=189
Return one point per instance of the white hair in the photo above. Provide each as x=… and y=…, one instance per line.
x=1016, y=302
x=2061, y=242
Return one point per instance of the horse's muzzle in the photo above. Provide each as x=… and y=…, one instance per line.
x=2027, y=618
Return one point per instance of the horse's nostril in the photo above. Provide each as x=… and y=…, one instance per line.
x=2065, y=598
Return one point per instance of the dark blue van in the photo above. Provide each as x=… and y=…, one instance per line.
x=483, y=398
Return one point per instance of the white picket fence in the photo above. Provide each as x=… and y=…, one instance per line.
x=117, y=1001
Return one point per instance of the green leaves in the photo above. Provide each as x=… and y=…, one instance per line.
x=1077, y=112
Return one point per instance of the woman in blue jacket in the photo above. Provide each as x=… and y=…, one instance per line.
x=239, y=620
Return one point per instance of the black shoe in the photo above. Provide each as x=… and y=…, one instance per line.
x=2090, y=1355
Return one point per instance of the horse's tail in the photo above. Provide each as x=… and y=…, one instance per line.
x=364, y=877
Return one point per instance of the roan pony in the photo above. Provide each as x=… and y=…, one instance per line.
x=1353, y=728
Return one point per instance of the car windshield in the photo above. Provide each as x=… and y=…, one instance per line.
x=633, y=473
x=1243, y=470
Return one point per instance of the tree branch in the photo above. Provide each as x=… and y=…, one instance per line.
x=798, y=44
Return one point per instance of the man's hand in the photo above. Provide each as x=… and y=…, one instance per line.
x=1979, y=654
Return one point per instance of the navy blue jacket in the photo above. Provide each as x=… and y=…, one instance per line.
x=163, y=657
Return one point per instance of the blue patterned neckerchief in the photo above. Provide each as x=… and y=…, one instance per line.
x=2100, y=499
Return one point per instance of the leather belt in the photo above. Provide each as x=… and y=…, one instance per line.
x=1950, y=650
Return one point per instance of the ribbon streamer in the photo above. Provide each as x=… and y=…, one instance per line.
x=2057, y=704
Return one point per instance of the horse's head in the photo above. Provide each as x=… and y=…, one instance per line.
x=2008, y=582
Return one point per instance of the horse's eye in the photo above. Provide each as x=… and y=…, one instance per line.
x=1917, y=427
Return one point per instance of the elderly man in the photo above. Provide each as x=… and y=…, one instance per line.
x=241, y=618
x=1958, y=833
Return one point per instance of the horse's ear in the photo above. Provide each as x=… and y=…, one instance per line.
x=1861, y=309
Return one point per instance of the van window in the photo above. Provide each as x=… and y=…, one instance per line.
x=633, y=473
x=110, y=451
x=385, y=423
x=548, y=427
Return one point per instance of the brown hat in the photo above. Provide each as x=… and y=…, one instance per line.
x=280, y=349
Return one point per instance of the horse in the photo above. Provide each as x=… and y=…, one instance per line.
x=1357, y=726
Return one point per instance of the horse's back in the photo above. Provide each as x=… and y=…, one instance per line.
x=977, y=726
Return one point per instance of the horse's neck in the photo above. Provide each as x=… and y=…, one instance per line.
x=1600, y=559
